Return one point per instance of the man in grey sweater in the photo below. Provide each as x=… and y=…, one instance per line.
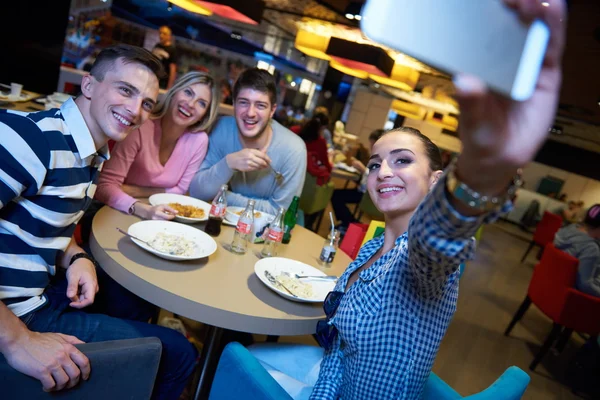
x=583, y=243
x=245, y=150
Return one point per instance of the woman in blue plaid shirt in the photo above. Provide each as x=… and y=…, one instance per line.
x=390, y=310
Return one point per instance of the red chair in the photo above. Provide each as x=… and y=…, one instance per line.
x=545, y=231
x=353, y=239
x=552, y=290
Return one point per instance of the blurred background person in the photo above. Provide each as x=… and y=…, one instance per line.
x=323, y=113
x=226, y=92
x=582, y=241
x=316, y=148
x=166, y=52
x=342, y=197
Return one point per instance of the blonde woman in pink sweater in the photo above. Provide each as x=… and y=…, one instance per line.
x=165, y=153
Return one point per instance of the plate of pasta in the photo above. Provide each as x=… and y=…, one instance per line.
x=283, y=272
x=172, y=241
x=189, y=209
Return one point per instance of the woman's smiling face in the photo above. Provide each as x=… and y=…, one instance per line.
x=400, y=175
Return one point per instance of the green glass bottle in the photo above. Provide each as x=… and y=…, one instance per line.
x=289, y=222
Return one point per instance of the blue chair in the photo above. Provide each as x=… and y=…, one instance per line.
x=240, y=375
x=510, y=386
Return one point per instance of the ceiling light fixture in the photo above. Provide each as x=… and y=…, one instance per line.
x=170, y=7
x=245, y=11
x=312, y=44
x=353, y=9
x=191, y=6
x=402, y=77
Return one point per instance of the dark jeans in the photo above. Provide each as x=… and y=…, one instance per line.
x=97, y=323
x=340, y=198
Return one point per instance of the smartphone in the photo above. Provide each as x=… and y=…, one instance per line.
x=479, y=37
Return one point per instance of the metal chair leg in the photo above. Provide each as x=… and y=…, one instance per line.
x=554, y=333
x=528, y=250
x=518, y=315
x=563, y=340
x=319, y=220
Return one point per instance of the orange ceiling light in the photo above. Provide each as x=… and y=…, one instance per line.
x=409, y=110
x=244, y=11
x=443, y=121
x=191, y=6
x=402, y=77
x=312, y=44
x=342, y=67
x=361, y=66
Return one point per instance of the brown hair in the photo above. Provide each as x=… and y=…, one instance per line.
x=431, y=149
x=129, y=54
x=257, y=79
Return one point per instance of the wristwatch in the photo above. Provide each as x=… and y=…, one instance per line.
x=131, y=210
x=471, y=198
x=83, y=255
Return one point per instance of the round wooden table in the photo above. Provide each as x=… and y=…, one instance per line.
x=221, y=290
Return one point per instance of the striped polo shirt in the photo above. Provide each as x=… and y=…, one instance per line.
x=49, y=166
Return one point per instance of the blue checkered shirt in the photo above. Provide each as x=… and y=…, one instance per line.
x=393, y=318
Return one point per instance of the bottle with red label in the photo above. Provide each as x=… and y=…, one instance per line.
x=243, y=230
x=217, y=213
x=275, y=235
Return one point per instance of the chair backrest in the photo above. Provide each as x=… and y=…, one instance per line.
x=121, y=369
x=547, y=228
x=581, y=312
x=437, y=389
x=315, y=198
x=552, y=279
x=376, y=228
x=241, y=376
x=509, y=386
x=367, y=206
x=352, y=240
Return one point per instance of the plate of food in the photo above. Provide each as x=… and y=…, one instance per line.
x=232, y=216
x=189, y=209
x=280, y=275
x=24, y=96
x=171, y=240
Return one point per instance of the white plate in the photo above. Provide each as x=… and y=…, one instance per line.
x=166, y=198
x=348, y=168
x=228, y=222
x=147, y=230
x=277, y=265
x=259, y=223
x=24, y=96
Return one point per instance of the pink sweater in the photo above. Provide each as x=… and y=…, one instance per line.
x=135, y=161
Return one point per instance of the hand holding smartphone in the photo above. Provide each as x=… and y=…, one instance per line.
x=484, y=38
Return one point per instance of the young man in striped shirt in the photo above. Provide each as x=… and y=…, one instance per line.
x=49, y=163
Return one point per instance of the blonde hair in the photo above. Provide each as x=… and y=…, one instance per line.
x=189, y=79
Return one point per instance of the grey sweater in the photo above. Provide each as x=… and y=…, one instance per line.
x=288, y=156
x=586, y=249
